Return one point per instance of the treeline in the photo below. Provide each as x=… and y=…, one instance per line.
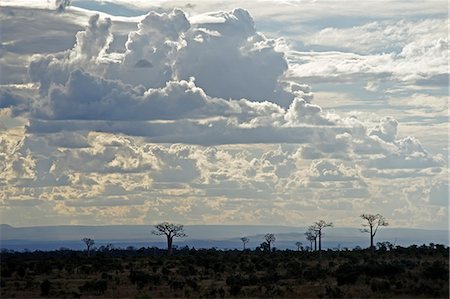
x=314, y=234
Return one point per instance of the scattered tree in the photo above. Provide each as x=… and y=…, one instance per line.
x=170, y=230
x=299, y=245
x=270, y=238
x=318, y=226
x=244, y=240
x=311, y=236
x=373, y=222
x=89, y=242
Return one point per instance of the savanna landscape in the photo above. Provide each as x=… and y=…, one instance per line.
x=285, y=136
x=400, y=272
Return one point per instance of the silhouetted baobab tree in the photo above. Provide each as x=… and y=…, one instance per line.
x=318, y=226
x=299, y=245
x=89, y=242
x=270, y=238
x=373, y=222
x=311, y=236
x=170, y=230
x=244, y=240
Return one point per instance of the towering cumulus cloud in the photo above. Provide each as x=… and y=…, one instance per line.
x=226, y=56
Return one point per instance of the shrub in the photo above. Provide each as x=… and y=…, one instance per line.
x=98, y=287
x=437, y=270
x=235, y=290
x=45, y=287
x=331, y=292
x=347, y=274
x=380, y=285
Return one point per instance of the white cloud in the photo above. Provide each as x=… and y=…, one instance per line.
x=439, y=194
x=380, y=36
x=416, y=64
x=196, y=118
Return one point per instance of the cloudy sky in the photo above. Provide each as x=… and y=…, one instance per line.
x=224, y=112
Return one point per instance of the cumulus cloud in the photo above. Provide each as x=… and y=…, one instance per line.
x=200, y=119
x=386, y=130
x=380, y=36
x=300, y=111
x=87, y=53
x=89, y=97
x=152, y=50
x=85, y=100
x=228, y=59
x=439, y=193
x=411, y=53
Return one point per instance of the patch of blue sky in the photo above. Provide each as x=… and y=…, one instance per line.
x=109, y=8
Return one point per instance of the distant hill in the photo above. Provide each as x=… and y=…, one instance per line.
x=204, y=236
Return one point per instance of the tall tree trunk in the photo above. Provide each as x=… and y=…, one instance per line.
x=315, y=244
x=320, y=240
x=169, y=245
x=320, y=244
x=372, y=252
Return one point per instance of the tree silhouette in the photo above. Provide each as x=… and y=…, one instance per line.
x=170, y=230
x=270, y=238
x=311, y=236
x=244, y=240
x=89, y=242
x=318, y=226
x=298, y=244
x=373, y=222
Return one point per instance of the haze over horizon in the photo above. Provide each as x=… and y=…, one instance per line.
x=256, y=113
x=205, y=236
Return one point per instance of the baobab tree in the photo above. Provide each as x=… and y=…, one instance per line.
x=318, y=226
x=270, y=238
x=244, y=240
x=373, y=222
x=89, y=242
x=170, y=230
x=311, y=236
x=299, y=245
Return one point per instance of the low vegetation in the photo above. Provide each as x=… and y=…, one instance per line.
x=393, y=272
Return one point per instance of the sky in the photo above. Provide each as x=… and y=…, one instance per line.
x=224, y=112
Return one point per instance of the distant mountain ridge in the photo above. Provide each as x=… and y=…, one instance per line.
x=205, y=236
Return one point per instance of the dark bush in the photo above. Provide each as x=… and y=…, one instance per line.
x=141, y=278
x=437, y=270
x=380, y=285
x=382, y=270
x=347, y=274
x=97, y=287
x=45, y=287
x=331, y=292
x=177, y=284
x=235, y=290
x=192, y=284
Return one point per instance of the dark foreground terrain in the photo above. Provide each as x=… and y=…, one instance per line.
x=419, y=272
